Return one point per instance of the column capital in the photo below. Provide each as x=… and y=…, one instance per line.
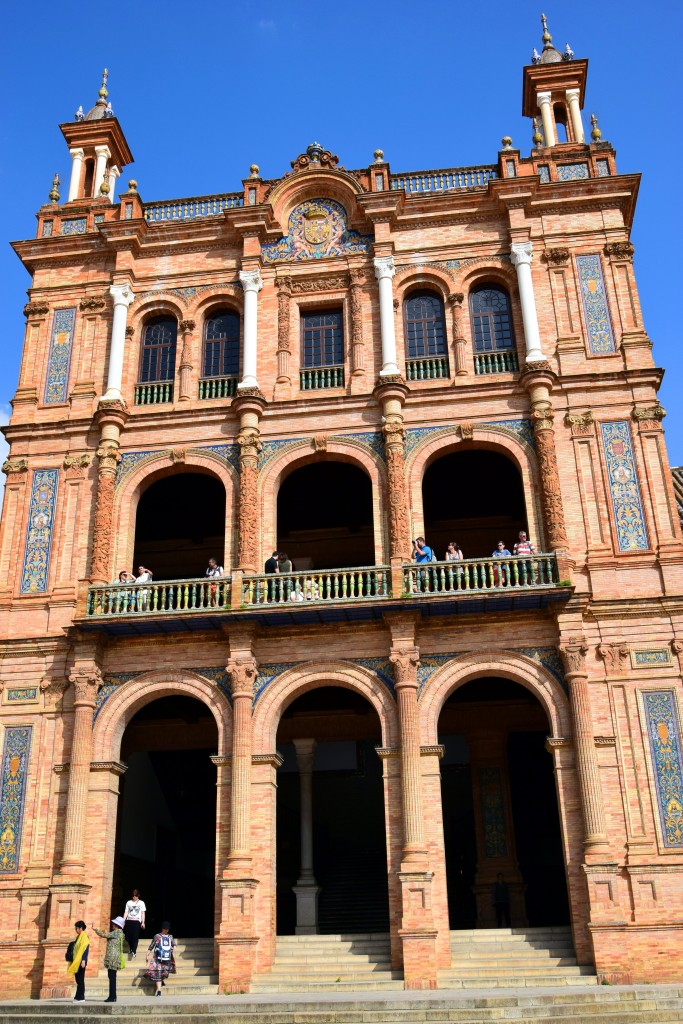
x=384, y=267
x=251, y=280
x=114, y=171
x=305, y=754
x=122, y=294
x=187, y=326
x=521, y=252
x=543, y=98
x=77, y=153
x=405, y=661
x=87, y=680
x=103, y=151
x=571, y=94
x=242, y=671
x=573, y=652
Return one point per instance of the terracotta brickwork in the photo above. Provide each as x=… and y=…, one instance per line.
x=582, y=425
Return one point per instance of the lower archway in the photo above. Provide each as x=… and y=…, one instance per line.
x=327, y=739
x=166, y=828
x=500, y=807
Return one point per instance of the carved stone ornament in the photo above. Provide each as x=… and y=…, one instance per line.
x=177, y=455
x=87, y=680
x=111, y=405
x=650, y=417
x=619, y=251
x=109, y=455
x=405, y=661
x=186, y=325
x=582, y=424
x=15, y=466
x=556, y=257
x=320, y=442
x=315, y=156
x=253, y=392
x=573, y=652
x=32, y=309
x=540, y=366
x=396, y=305
x=284, y=283
x=456, y=298
x=250, y=445
x=52, y=689
x=677, y=646
x=129, y=331
x=77, y=462
x=616, y=657
x=393, y=432
x=242, y=671
x=320, y=284
x=550, y=485
x=542, y=417
x=92, y=304
x=467, y=431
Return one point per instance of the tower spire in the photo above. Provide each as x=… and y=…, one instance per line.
x=104, y=92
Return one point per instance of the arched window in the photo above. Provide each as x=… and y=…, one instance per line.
x=157, y=363
x=221, y=344
x=425, y=336
x=494, y=337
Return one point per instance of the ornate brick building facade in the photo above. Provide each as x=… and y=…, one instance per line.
x=333, y=363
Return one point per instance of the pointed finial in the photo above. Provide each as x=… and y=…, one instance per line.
x=547, y=38
x=537, y=138
x=535, y=57
x=568, y=53
x=108, y=112
x=103, y=93
x=596, y=134
x=54, y=191
x=79, y=115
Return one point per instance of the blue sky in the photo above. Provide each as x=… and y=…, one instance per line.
x=202, y=91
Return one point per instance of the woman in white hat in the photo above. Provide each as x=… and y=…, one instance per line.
x=114, y=959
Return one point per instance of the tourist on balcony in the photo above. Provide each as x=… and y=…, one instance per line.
x=524, y=546
x=453, y=552
x=144, y=576
x=214, y=570
x=500, y=552
x=271, y=568
x=124, y=598
x=422, y=553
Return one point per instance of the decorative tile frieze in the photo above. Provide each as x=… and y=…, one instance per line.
x=15, y=760
x=572, y=172
x=59, y=357
x=41, y=516
x=74, y=226
x=651, y=657
x=602, y=167
x=595, y=308
x=20, y=695
x=521, y=429
x=664, y=734
x=544, y=174
x=624, y=490
x=317, y=230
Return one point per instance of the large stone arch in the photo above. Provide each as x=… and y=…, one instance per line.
x=306, y=451
x=296, y=681
x=495, y=437
x=507, y=664
x=152, y=467
x=130, y=697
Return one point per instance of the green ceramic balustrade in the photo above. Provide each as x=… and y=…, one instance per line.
x=192, y=207
x=315, y=587
x=218, y=387
x=154, y=394
x=432, y=368
x=481, y=574
x=496, y=362
x=321, y=377
x=171, y=596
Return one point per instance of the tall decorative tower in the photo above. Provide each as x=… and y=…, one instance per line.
x=554, y=88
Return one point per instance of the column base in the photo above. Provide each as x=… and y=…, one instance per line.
x=236, y=954
x=306, y=908
x=419, y=957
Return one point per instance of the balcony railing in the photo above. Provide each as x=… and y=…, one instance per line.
x=476, y=575
x=137, y=599
x=430, y=368
x=496, y=362
x=321, y=377
x=154, y=394
x=218, y=387
x=327, y=585
x=189, y=209
x=442, y=181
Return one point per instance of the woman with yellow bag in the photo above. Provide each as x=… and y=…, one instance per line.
x=77, y=955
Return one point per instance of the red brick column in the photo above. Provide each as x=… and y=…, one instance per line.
x=186, y=365
x=357, y=346
x=391, y=394
x=87, y=680
x=112, y=416
x=455, y=301
x=284, y=296
x=537, y=380
x=249, y=406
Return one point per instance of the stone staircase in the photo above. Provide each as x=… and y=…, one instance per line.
x=513, y=958
x=194, y=966
x=340, y=963
x=645, y=1004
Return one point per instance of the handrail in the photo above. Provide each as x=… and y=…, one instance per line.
x=443, y=180
x=192, y=207
x=194, y=595
x=321, y=585
x=518, y=572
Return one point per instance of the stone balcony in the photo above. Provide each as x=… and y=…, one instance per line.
x=476, y=585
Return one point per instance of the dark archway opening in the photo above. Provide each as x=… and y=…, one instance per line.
x=349, y=838
x=476, y=498
x=166, y=827
x=180, y=524
x=324, y=516
x=495, y=724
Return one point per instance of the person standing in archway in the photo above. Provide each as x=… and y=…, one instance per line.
x=134, y=922
x=214, y=571
x=160, y=958
x=144, y=576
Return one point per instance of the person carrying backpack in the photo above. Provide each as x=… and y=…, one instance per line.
x=160, y=958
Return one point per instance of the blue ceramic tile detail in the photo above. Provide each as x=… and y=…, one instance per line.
x=59, y=356
x=624, y=489
x=603, y=168
x=41, y=517
x=15, y=759
x=74, y=226
x=544, y=174
x=520, y=428
x=19, y=694
x=595, y=308
x=572, y=172
x=664, y=734
x=317, y=230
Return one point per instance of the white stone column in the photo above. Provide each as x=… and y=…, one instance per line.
x=123, y=296
x=575, y=114
x=114, y=173
x=102, y=153
x=76, y=166
x=252, y=283
x=547, y=118
x=384, y=272
x=521, y=253
x=306, y=889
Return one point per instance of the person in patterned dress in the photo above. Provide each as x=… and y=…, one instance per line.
x=160, y=957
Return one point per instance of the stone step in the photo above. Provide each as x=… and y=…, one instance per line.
x=447, y=981
x=341, y=937
x=327, y=967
